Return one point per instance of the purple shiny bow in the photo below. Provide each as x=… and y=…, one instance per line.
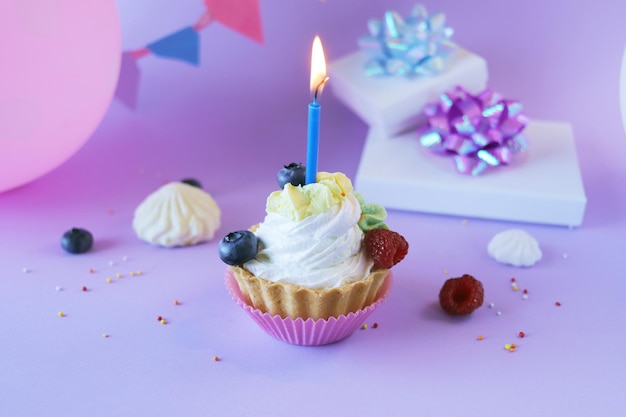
x=480, y=131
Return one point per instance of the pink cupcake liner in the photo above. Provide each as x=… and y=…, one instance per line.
x=307, y=332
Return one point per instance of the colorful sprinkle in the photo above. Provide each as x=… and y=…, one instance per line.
x=507, y=346
x=558, y=304
x=105, y=335
x=498, y=313
x=159, y=318
x=90, y=270
x=118, y=275
x=124, y=258
x=375, y=325
x=109, y=280
x=363, y=326
x=491, y=305
x=61, y=314
x=525, y=291
x=515, y=287
x=84, y=288
x=176, y=302
x=132, y=274
x=111, y=263
x=139, y=272
x=521, y=334
x=163, y=321
x=445, y=271
x=512, y=279
x=524, y=296
x=58, y=288
x=25, y=270
x=216, y=358
x=480, y=337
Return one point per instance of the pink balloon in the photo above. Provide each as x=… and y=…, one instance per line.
x=60, y=63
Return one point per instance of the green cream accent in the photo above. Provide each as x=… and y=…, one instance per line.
x=299, y=202
x=372, y=215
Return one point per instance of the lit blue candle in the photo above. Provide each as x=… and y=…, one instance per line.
x=318, y=79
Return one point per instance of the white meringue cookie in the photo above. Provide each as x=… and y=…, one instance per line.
x=515, y=247
x=177, y=214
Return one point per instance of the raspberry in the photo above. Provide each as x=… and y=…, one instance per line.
x=460, y=296
x=386, y=247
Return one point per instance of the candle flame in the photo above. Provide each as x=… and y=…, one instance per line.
x=318, y=67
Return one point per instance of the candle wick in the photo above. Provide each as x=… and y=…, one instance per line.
x=319, y=88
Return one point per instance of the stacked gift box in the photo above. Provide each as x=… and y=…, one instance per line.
x=440, y=141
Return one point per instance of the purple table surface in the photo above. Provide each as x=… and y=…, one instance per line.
x=231, y=123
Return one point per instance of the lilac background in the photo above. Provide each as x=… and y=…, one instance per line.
x=232, y=128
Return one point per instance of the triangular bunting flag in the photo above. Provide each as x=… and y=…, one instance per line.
x=243, y=16
x=183, y=45
x=128, y=82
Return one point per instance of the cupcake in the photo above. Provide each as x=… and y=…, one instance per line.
x=321, y=255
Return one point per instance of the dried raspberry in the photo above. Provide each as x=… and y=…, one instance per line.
x=386, y=247
x=460, y=296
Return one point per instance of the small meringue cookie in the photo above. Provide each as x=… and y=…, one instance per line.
x=177, y=214
x=515, y=247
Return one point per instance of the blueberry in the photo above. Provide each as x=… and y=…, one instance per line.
x=294, y=174
x=238, y=247
x=77, y=240
x=191, y=181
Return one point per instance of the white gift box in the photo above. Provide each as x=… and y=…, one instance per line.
x=542, y=185
x=393, y=104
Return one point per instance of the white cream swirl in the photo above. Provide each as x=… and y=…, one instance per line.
x=177, y=214
x=320, y=251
